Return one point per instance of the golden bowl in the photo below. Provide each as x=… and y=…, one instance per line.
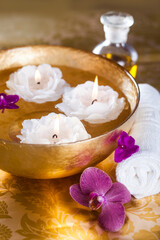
x=54, y=161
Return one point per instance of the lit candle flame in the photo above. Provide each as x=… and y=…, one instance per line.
x=95, y=90
x=37, y=77
x=56, y=127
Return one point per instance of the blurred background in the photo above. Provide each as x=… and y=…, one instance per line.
x=76, y=24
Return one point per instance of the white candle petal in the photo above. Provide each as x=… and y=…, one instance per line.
x=78, y=102
x=23, y=83
x=41, y=131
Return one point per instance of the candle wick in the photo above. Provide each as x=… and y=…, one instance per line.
x=95, y=100
x=54, y=136
x=38, y=83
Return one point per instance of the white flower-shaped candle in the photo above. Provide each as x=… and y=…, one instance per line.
x=92, y=103
x=52, y=129
x=38, y=84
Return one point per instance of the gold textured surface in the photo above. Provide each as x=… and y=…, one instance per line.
x=50, y=161
x=43, y=210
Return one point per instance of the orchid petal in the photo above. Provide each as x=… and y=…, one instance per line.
x=122, y=138
x=135, y=149
x=95, y=180
x=118, y=193
x=130, y=141
x=3, y=94
x=8, y=101
x=78, y=196
x=112, y=216
x=12, y=106
x=122, y=154
x=12, y=98
x=119, y=155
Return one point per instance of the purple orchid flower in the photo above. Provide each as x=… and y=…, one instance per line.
x=8, y=101
x=97, y=190
x=126, y=147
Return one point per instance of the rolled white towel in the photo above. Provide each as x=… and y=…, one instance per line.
x=140, y=173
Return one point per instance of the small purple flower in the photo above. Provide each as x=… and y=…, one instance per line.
x=8, y=101
x=97, y=190
x=126, y=147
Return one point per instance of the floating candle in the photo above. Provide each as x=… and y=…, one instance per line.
x=92, y=103
x=52, y=129
x=95, y=90
x=55, y=135
x=37, y=77
x=37, y=84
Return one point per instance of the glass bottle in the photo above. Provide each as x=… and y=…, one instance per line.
x=116, y=27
